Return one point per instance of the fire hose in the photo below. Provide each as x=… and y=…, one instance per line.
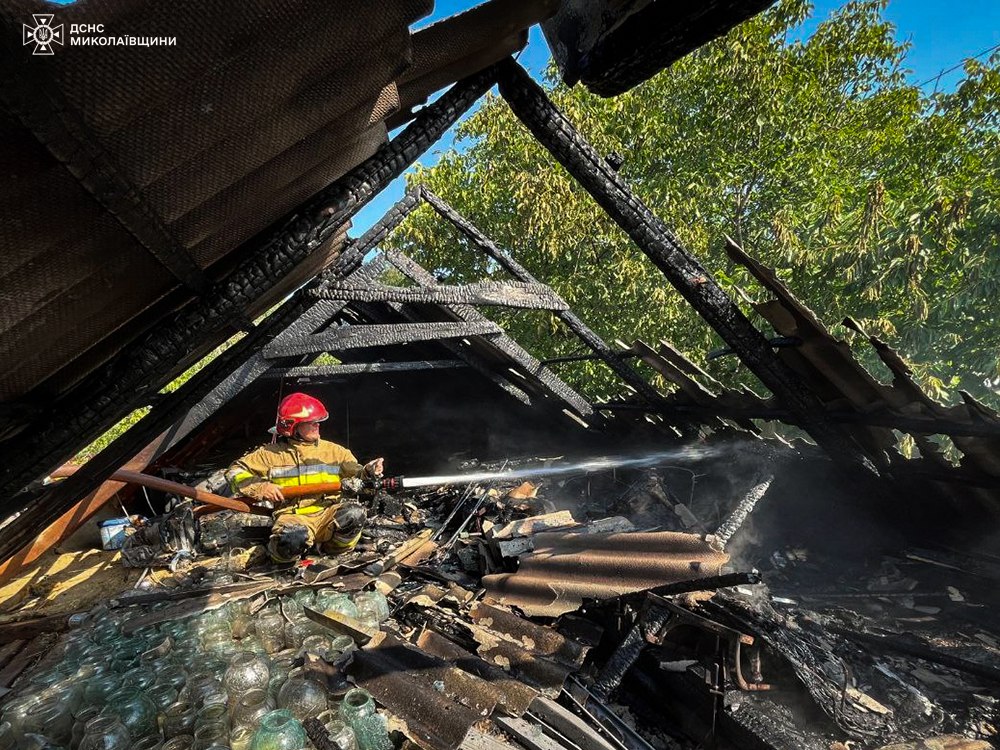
x=387, y=484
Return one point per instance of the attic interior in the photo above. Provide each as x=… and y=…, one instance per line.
x=538, y=570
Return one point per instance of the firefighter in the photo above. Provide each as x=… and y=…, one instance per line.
x=299, y=457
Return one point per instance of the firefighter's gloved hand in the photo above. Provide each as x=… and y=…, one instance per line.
x=374, y=468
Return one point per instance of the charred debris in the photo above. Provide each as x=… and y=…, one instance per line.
x=664, y=602
x=700, y=585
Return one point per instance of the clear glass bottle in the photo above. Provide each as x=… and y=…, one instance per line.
x=279, y=730
x=333, y=601
x=213, y=713
x=240, y=737
x=358, y=711
x=373, y=601
x=7, y=739
x=341, y=734
x=163, y=694
x=317, y=644
x=153, y=742
x=204, y=689
x=208, y=735
x=137, y=712
x=342, y=644
x=83, y=716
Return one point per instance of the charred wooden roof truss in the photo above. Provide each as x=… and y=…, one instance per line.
x=815, y=381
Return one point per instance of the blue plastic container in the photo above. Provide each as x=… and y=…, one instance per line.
x=113, y=532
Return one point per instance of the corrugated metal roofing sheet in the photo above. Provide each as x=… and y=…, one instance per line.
x=565, y=569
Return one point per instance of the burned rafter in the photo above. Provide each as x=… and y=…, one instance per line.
x=366, y=336
x=111, y=392
x=314, y=316
x=491, y=293
x=689, y=387
x=503, y=343
x=395, y=310
x=355, y=252
x=554, y=131
x=608, y=355
x=744, y=406
x=326, y=372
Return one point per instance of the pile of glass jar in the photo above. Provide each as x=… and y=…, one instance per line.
x=222, y=679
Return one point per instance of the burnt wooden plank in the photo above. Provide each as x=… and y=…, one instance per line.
x=315, y=316
x=367, y=336
x=338, y=371
x=387, y=311
x=554, y=131
x=670, y=353
x=549, y=380
x=27, y=656
x=10, y=650
x=492, y=293
x=608, y=355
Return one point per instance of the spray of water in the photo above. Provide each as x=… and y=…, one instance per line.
x=604, y=463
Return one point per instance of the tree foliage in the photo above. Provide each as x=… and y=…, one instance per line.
x=870, y=196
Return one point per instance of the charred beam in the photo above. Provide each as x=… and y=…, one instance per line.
x=608, y=355
x=913, y=424
x=650, y=623
x=491, y=293
x=739, y=515
x=554, y=131
x=363, y=337
x=901, y=645
x=315, y=316
x=337, y=371
x=355, y=253
x=113, y=390
x=374, y=312
x=503, y=343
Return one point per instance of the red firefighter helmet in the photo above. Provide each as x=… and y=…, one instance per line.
x=296, y=408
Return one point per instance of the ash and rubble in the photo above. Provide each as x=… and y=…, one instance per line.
x=571, y=612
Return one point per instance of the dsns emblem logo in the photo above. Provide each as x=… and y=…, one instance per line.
x=43, y=35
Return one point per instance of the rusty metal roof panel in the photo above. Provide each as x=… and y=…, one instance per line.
x=514, y=695
x=424, y=691
x=565, y=569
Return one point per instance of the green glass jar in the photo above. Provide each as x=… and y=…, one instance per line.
x=358, y=711
x=136, y=711
x=279, y=730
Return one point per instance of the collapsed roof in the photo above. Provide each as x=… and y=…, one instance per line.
x=143, y=184
x=220, y=206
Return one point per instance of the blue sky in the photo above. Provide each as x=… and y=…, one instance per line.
x=941, y=35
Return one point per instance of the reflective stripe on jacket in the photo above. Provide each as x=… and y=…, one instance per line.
x=289, y=463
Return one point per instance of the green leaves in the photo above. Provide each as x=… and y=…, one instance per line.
x=869, y=196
